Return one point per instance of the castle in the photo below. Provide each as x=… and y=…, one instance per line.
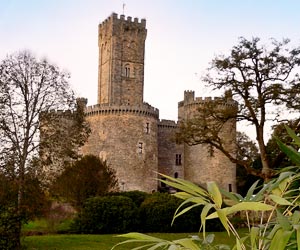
x=128, y=133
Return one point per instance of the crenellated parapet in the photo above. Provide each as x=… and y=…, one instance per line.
x=167, y=124
x=191, y=100
x=114, y=18
x=105, y=109
x=114, y=23
x=59, y=113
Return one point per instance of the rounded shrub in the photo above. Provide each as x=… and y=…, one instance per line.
x=158, y=209
x=136, y=196
x=157, y=212
x=108, y=214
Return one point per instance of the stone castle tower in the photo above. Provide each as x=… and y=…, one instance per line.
x=127, y=132
x=124, y=128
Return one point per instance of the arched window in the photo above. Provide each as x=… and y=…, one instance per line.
x=127, y=70
x=176, y=175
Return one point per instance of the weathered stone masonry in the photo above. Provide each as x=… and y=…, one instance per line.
x=128, y=134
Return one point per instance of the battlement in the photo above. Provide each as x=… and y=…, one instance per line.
x=190, y=99
x=58, y=113
x=105, y=109
x=167, y=124
x=114, y=19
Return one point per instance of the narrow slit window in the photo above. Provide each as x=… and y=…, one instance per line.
x=140, y=148
x=147, y=128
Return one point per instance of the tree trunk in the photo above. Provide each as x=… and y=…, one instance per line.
x=266, y=171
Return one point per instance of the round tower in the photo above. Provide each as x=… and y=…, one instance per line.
x=126, y=137
x=202, y=162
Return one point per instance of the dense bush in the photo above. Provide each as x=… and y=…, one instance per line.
x=120, y=212
x=109, y=214
x=157, y=212
x=9, y=221
x=136, y=196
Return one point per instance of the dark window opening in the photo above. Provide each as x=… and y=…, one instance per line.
x=147, y=128
x=127, y=71
x=178, y=160
x=140, y=147
x=176, y=175
x=211, y=150
x=230, y=187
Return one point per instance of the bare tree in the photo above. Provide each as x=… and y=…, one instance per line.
x=263, y=80
x=28, y=87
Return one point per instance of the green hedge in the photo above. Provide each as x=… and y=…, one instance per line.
x=109, y=214
x=157, y=212
x=138, y=211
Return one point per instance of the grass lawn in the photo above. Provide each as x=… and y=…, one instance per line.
x=99, y=242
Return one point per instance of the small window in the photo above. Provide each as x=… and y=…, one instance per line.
x=229, y=187
x=140, y=148
x=175, y=175
x=211, y=150
x=178, y=160
x=147, y=128
x=127, y=71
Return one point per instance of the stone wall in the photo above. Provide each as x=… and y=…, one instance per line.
x=127, y=140
x=170, y=154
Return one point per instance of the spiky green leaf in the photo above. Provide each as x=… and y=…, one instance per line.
x=279, y=200
x=215, y=193
x=187, y=243
x=280, y=239
x=293, y=155
x=254, y=233
x=203, y=216
x=293, y=135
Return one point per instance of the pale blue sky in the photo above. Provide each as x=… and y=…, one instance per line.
x=183, y=37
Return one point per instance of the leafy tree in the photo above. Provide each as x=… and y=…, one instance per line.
x=28, y=88
x=276, y=157
x=263, y=80
x=85, y=178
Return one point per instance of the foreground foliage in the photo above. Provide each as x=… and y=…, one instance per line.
x=271, y=212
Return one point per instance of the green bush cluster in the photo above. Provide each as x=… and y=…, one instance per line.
x=9, y=221
x=108, y=214
x=137, y=211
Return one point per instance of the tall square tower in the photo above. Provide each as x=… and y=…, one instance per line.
x=121, y=60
